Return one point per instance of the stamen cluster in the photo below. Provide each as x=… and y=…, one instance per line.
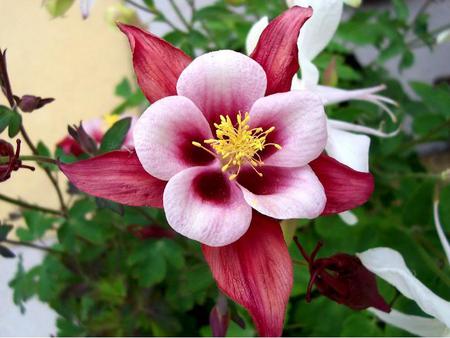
x=238, y=144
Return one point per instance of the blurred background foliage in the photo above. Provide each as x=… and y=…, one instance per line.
x=110, y=273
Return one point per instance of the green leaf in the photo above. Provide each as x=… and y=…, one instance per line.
x=4, y=231
x=6, y=253
x=123, y=89
x=5, y=117
x=58, y=8
x=359, y=323
x=24, y=284
x=110, y=205
x=113, y=291
x=401, y=9
x=14, y=124
x=37, y=224
x=436, y=98
x=115, y=136
x=407, y=60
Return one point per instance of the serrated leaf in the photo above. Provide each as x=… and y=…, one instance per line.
x=115, y=136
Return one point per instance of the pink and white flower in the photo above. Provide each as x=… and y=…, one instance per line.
x=227, y=149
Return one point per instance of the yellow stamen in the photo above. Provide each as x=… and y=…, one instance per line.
x=238, y=144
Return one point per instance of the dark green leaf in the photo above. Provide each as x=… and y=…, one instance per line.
x=115, y=136
x=4, y=231
x=14, y=124
x=5, y=117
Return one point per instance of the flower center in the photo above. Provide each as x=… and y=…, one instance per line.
x=237, y=144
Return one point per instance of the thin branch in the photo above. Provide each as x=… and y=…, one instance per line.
x=35, y=158
x=47, y=171
x=180, y=15
x=32, y=245
x=151, y=11
x=26, y=205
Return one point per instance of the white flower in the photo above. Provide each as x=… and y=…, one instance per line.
x=346, y=142
x=389, y=265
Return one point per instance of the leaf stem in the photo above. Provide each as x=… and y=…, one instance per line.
x=180, y=15
x=26, y=205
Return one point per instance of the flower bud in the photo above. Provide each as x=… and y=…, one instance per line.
x=343, y=279
x=13, y=163
x=28, y=103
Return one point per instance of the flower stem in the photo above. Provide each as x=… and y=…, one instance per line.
x=47, y=171
x=26, y=205
x=35, y=158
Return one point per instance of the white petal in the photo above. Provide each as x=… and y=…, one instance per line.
x=348, y=217
x=316, y=33
x=420, y=326
x=443, y=37
x=202, y=204
x=440, y=231
x=222, y=83
x=348, y=148
x=300, y=127
x=164, y=133
x=331, y=95
x=284, y=193
x=361, y=129
x=389, y=265
x=254, y=34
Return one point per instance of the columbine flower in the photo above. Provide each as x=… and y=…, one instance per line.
x=209, y=172
x=343, y=144
x=13, y=163
x=390, y=265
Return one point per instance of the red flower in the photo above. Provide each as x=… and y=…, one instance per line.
x=256, y=270
x=14, y=163
x=344, y=279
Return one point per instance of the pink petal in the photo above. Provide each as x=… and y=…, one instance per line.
x=283, y=193
x=256, y=272
x=345, y=188
x=277, y=50
x=164, y=133
x=157, y=63
x=300, y=127
x=201, y=203
x=117, y=176
x=222, y=83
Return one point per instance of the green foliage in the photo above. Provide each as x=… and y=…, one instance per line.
x=115, y=136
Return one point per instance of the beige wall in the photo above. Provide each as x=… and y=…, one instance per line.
x=77, y=62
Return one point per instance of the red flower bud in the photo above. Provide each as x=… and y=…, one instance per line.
x=219, y=317
x=343, y=279
x=29, y=103
x=14, y=163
